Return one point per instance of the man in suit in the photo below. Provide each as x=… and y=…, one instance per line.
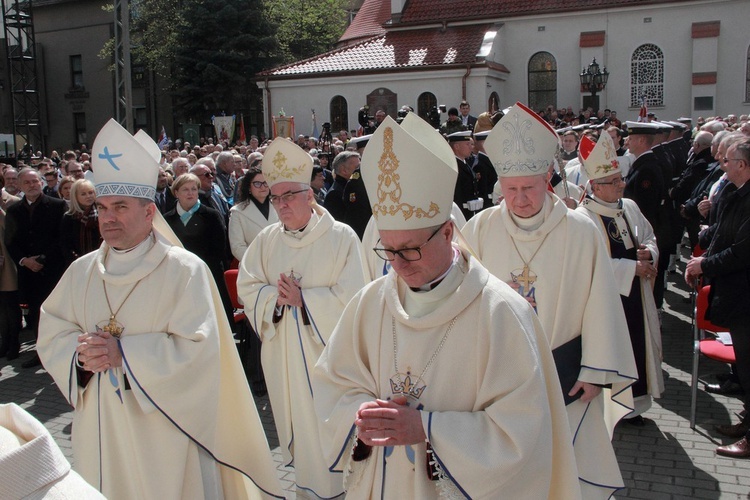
x=466, y=194
x=164, y=198
x=466, y=119
x=344, y=166
x=726, y=267
x=32, y=235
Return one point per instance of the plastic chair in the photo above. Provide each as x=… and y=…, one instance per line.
x=708, y=347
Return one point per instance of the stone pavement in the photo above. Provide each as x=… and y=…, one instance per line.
x=663, y=460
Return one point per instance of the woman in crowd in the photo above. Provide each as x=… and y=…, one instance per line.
x=79, y=229
x=251, y=214
x=201, y=231
x=63, y=189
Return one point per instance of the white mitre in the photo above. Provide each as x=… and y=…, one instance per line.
x=410, y=174
x=600, y=158
x=122, y=167
x=521, y=143
x=284, y=161
x=148, y=144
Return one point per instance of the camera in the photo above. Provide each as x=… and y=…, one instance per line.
x=366, y=120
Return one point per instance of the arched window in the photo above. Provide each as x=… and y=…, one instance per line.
x=747, y=77
x=339, y=114
x=647, y=76
x=542, y=81
x=427, y=108
x=493, y=104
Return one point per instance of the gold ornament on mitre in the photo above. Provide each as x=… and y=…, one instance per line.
x=600, y=158
x=521, y=144
x=409, y=172
x=284, y=161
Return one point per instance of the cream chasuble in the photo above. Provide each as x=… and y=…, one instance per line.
x=326, y=258
x=571, y=279
x=635, y=229
x=245, y=224
x=177, y=420
x=491, y=408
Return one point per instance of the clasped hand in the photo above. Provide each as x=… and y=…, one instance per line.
x=98, y=351
x=389, y=423
x=289, y=292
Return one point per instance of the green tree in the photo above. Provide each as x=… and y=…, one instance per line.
x=307, y=28
x=221, y=46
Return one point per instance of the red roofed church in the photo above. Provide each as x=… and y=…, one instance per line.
x=686, y=57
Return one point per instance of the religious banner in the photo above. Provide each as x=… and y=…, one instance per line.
x=283, y=126
x=224, y=126
x=191, y=133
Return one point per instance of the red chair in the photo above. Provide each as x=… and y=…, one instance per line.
x=708, y=347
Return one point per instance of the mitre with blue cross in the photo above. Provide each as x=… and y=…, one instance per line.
x=284, y=161
x=148, y=144
x=521, y=143
x=409, y=171
x=122, y=167
x=599, y=158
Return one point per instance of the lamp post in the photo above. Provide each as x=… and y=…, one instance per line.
x=593, y=80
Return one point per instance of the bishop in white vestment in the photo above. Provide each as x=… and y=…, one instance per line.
x=295, y=279
x=556, y=259
x=437, y=381
x=134, y=338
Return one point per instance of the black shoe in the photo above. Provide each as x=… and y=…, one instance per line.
x=637, y=421
x=726, y=388
x=32, y=362
x=733, y=431
x=723, y=377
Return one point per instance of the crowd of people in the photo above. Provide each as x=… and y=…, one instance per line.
x=350, y=253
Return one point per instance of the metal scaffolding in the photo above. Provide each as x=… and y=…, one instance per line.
x=22, y=72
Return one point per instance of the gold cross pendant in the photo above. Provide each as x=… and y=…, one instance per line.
x=113, y=328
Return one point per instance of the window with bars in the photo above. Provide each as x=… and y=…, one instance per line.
x=76, y=72
x=339, y=113
x=647, y=76
x=542, y=81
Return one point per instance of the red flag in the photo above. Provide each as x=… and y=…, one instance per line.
x=243, y=139
x=642, y=116
x=163, y=138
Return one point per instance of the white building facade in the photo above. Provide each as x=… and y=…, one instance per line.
x=687, y=58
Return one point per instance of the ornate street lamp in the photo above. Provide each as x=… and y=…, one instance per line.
x=593, y=80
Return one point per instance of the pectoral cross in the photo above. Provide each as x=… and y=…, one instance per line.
x=526, y=279
x=113, y=328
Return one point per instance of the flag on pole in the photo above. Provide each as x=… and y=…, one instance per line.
x=643, y=114
x=163, y=139
x=315, y=124
x=243, y=138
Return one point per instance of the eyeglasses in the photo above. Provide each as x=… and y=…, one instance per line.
x=207, y=174
x=727, y=160
x=286, y=197
x=615, y=182
x=260, y=184
x=407, y=254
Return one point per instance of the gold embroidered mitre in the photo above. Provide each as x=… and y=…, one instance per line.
x=600, y=158
x=284, y=161
x=410, y=174
x=521, y=143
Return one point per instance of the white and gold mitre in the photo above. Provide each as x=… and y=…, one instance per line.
x=148, y=144
x=284, y=161
x=409, y=171
x=122, y=167
x=521, y=143
x=600, y=158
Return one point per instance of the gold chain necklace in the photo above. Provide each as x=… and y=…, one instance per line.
x=113, y=327
x=413, y=387
x=526, y=278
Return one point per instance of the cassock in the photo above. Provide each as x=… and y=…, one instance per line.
x=326, y=257
x=478, y=366
x=624, y=228
x=571, y=279
x=177, y=420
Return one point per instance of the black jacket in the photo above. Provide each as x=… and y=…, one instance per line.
x=727, y=261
